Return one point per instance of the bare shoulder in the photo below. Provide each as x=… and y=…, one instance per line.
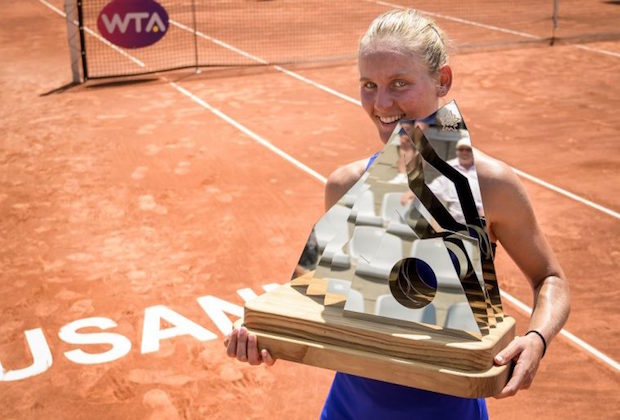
x=494, y=172
x=341, y=180
x=497, y=180
x=503, y=195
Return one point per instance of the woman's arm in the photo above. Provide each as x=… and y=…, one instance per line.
x=512, y=222
x=341, y=180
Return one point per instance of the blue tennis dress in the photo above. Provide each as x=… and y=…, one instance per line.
x=354, y=397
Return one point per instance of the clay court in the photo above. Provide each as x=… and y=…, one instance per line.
x=191, y=191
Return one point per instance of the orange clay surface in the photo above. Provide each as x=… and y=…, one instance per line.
x=116, y=197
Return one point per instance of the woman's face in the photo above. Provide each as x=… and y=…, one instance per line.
x=395, y=84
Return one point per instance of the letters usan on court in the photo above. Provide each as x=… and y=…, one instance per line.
x=133, y=23
x=216, y=309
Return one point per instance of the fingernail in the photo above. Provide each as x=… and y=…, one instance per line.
x=499, y=359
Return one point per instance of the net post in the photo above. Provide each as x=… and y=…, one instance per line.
x=82, y=40
x=554, y=18
x=195, y=35
x=73, y=39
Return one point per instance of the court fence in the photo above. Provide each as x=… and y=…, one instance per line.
x=133, y=37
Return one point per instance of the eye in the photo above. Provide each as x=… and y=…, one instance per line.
x=369, y=85
x=399, y=83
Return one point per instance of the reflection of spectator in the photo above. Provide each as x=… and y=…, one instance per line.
x=445, y=190
x=408, y=158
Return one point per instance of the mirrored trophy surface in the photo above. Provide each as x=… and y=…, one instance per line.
x=397, y=279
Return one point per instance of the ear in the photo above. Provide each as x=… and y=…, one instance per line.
x=445, y=81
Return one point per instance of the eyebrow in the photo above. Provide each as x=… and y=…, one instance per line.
x=393, y=76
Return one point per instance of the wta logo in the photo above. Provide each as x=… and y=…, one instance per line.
x=133, y=23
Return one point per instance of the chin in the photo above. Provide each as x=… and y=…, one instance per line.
x=384, y=135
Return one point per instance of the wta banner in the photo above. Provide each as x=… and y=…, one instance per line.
x=133, y=23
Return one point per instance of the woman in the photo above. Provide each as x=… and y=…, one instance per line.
x=404, y=73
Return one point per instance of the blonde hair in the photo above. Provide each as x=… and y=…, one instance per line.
x=417, y=33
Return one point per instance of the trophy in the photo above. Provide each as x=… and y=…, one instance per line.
x=397, y=281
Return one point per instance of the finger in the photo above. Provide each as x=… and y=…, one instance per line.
x=269, y=361
x=242, y=345
x=227, y=339
x=509, y=353
x=231, y=348
x=514, y=384
x=253, y=356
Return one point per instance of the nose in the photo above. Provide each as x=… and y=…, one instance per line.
x=383, y=100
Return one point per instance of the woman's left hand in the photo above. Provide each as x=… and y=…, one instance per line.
x=526, y=352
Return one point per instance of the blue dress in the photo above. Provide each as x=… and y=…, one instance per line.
x=354, y=397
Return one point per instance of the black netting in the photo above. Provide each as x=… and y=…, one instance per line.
x=252, y=32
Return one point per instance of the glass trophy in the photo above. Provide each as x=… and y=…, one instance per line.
x=396, y=281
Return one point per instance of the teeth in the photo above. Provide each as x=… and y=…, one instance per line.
x=389, y=120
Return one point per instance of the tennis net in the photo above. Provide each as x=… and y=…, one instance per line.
x=201, y=33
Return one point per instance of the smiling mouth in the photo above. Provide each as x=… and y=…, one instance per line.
x=390, y=120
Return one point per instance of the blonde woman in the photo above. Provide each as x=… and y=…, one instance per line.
x=404, y=73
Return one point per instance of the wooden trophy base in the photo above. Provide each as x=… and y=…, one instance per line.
x=313, y=330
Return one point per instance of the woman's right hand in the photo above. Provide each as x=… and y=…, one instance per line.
x=244, y=347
